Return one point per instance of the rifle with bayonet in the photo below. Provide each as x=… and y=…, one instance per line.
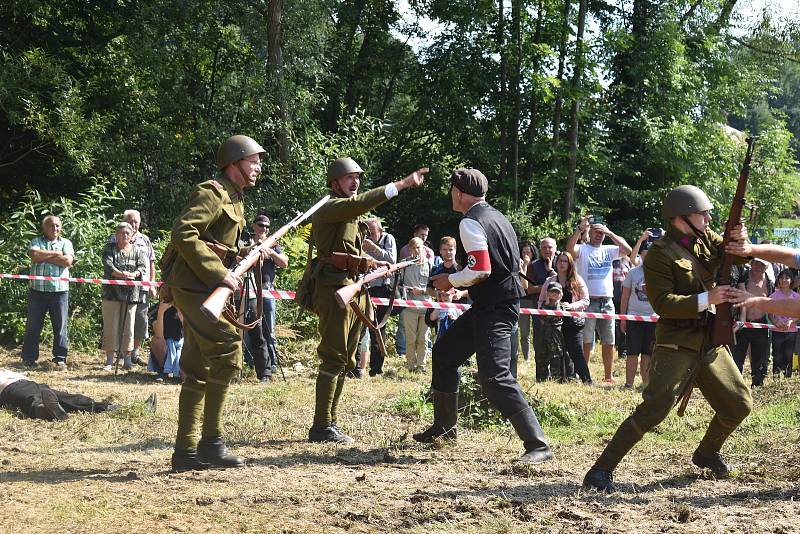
x=214, y=305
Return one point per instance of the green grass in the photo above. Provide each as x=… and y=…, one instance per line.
x=75, y=475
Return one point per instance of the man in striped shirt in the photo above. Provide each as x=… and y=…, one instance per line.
x=51, y=255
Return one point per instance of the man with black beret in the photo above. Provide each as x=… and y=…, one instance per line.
x=492, y=280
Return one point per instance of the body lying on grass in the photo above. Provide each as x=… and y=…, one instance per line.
x=38, y=401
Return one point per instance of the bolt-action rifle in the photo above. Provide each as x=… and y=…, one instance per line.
x=723, y=334
x=345, y=295
x=723, y=321
x=214, y=305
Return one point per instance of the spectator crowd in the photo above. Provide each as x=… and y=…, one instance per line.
x=597, y=271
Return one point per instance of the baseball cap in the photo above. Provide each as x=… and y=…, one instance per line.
x=555, y=286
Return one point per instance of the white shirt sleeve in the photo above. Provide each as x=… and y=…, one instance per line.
x=702, y=301
x=476, y=244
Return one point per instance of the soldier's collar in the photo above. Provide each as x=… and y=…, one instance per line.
x=685, y=240
x=233, y=190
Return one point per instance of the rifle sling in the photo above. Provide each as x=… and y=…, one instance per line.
x=372, y=326
x=229, y=313
x=390, y=306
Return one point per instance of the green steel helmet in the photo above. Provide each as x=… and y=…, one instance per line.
x=235, y=148
x=342, y=166
x=685, y=200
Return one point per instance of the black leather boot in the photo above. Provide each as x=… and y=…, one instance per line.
x=188, y=461
x=214, y=451
x=600, y=480
x=50, y=409
x=328, y=434
x=530, y=432
x=445, y=418
x=715, y=463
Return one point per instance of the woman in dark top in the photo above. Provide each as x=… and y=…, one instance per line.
x=575, y=298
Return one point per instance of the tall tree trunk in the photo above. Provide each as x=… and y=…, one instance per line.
x=501, y=106
x=349, y=18
x=530, y=134
x=569, y=196
x=275, y=66
x=562, y=59
x=516, y=33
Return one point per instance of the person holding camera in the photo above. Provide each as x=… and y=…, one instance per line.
x=262, y=337
x=594, y=261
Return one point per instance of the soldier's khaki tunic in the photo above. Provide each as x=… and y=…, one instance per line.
x=672, y=288
x=336, y=228
x=212, y=352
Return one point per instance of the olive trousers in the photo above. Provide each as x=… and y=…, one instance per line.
x=340, y=331
x=210, y=360
x=716, y=376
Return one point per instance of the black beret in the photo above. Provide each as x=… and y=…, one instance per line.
x=470, y=181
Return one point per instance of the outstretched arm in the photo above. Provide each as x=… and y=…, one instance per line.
x=743, y=299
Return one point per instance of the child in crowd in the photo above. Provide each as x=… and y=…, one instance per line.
x=444, y=318
x=167, y=342
x=415, y=283
x=552, y=337
x=783, y=337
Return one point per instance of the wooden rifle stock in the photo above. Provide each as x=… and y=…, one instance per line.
x=212, y=307
x=347, y=293
x=723, y=322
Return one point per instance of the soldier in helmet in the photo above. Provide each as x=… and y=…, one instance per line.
x=336, y=229
x=679, y=273
x=203, y=245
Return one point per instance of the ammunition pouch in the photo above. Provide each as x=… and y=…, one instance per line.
x=304, y=295
x=351, y=263
x=224, y=254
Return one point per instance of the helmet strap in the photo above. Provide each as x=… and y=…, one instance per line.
x=240, y=171
x=336, y=188
x=695, y=230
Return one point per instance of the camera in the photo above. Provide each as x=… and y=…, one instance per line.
x=655, y=234
x=597, y=219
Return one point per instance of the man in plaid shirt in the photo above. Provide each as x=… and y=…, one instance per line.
x=51, y=255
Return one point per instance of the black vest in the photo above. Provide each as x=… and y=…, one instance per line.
x=503, y=284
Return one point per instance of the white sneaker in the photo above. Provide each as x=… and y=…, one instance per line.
x=108, y=368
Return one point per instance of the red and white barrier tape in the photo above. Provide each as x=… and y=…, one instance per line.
x=81, y=280
x=277, y=294
x=424, y=304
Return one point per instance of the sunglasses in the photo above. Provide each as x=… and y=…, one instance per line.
x=262, y=225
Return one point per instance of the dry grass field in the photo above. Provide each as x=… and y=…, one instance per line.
x=109, y=472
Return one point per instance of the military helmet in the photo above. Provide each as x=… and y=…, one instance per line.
x=235, y=148
x=342, y=166
x=685, y=200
